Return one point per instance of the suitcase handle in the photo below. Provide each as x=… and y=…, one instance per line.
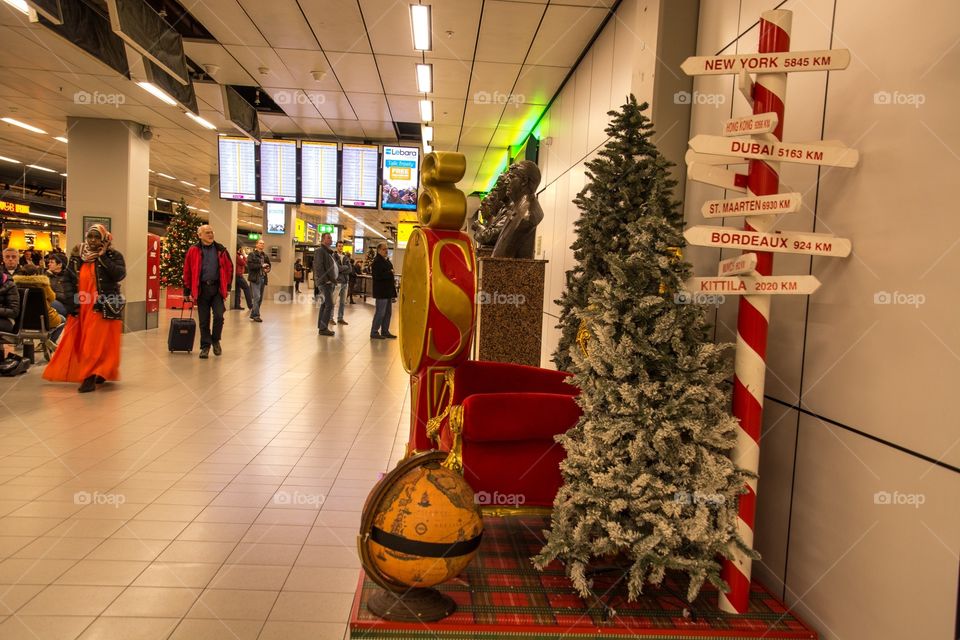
x=183, y=308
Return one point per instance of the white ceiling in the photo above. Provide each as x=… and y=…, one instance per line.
x=483, y=51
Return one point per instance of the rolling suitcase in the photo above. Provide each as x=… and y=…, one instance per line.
x=183, y=332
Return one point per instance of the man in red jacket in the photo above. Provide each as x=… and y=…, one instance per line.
x=207, y=276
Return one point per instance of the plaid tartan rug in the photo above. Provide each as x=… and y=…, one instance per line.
x=501, y=595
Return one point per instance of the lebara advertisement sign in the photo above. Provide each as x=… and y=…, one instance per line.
x=401, y=177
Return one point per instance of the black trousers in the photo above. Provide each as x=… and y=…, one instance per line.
x=208, y=301
x=241, y=284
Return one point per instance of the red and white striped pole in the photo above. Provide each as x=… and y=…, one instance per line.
x=750, y=363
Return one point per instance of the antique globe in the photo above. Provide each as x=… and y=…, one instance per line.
x=421, y=526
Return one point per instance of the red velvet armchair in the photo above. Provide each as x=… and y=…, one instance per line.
x=499, y=426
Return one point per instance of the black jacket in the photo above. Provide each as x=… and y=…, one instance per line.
x=9, y=298
x=64, y=284
x=384, y=285
x=255, y=263
x=111, y=269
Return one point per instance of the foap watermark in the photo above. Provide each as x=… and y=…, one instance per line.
x=686, y=97
x=899, y=297
x=99, y=99
x=294, y=297
x=698, y=297
x=497, y=499
x=896, y=498
x=87, y=498
x=697, y=497
x=485, y=97
x=495, y=297
x=282, y=98
x=298, y=498
x=900, y=99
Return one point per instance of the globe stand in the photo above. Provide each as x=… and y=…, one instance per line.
x=413, y=605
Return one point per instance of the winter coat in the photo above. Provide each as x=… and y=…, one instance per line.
x=64, y=285
x=324, y=266
x=110, y=270
x=41, y=283
x=256, y=261
x=193, y=265
x=344, y=267
x=298, y=271
x=384, y=286
x=241, y=264
x=9, y=298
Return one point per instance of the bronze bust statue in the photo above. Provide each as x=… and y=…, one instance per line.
x=510, y=213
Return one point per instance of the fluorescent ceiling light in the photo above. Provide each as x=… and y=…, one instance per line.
x=39, y=168
x=424, y=78
x=19, y=5
x=162, y=200
x=22, y=125
x=204, y=189
x=420, y=19
x=44, y=215
x=190, y=206
x=427, y=133
x=61, y=139
x=206, y=124
x=189, y=184
x=203, y=210
x=64, y=175
x=6, y=159
x=157, y=92
x=163, y=175
x=151, y=170
x=427, y=148
x=361, y=224
x=426, y=110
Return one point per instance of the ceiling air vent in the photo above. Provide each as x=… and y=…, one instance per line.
x=407, y=131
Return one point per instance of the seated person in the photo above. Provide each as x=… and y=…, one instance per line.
x=32, y=277
x=9, y=308
x=63, y=281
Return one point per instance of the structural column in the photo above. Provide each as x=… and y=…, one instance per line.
x=108, y=163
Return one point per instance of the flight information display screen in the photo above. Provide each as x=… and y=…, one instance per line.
x=278, y=171
x=238, y=168
x=361, y=167
x=318, y=173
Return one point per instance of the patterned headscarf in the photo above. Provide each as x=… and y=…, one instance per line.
x=89, y=255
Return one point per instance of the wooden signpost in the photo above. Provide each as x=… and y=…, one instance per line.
x=759, y=138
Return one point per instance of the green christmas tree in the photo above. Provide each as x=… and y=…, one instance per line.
x=648, y=482
x=181, y=233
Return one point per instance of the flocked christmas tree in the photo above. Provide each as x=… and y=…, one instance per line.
x=648, y=484
x=181, y=233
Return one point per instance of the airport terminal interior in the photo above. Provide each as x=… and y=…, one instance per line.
x=332, y=319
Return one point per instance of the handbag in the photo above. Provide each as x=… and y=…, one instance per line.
x=111, y=305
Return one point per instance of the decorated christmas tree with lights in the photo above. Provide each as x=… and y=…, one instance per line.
x=181, y=233
x=648, y=482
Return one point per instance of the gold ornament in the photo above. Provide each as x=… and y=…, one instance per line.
x=583, y=338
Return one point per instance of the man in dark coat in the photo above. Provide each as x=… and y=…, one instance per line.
x=325, y=274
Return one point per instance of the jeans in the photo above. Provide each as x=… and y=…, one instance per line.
x=208, y=301
x=326, y=309
x=342, y=289
x=256, y=296
x=241, y=284
x=381, y=317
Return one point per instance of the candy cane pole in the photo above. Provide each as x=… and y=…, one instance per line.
x=750, y=361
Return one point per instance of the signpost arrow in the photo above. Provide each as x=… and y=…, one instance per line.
x=692, y=156
x=779, y=62
x=814, y=244
x=723, y=178
x=742, y=264
x=753, y=124
x=817, y=154
x=754, y=285
x=752, y=206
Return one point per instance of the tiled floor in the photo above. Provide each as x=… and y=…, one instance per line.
x=198, y=499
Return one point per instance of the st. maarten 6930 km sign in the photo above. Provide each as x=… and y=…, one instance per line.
x=752, y=206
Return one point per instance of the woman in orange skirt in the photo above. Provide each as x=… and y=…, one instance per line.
x=89, y=349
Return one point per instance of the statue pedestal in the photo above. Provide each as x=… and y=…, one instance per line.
x=510, y=309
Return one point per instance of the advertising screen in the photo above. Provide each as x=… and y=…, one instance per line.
x=360, y=169
x=358, y=244
x=318, y=173
x=275, y=218
x=404, y=230
x=278, y=170
x=312, y=236
x=401, y=177
x=238, y=170
x=300, y=231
